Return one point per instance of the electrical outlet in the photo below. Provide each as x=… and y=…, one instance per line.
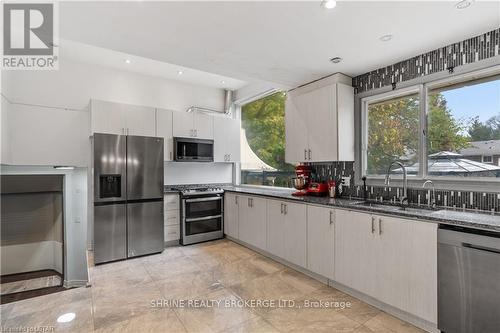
x=346, y=181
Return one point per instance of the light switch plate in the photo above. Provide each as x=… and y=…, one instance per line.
x=346, y=181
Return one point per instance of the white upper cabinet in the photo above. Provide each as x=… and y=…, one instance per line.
x=164, y=130
x=183, y=124
x=295, y=129
x=193, y=124
x=226, y=139
x=319, y=122
x=141, y=120
x=203, y=125
x=118, y=118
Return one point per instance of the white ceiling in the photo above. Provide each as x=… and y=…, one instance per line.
x=109, y=58
x=289, y=43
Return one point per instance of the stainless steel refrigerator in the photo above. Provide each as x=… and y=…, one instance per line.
x=128, y=196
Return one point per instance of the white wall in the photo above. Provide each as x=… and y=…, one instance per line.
x=75, y=83
x=197, y=173
x=29, y=257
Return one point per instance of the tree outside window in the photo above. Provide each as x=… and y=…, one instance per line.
x=263, y=144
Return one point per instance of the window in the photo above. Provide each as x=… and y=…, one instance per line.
x=463, y=125
x=459, y=129
x=263, y=143
x=393, y=127
x=488, y=159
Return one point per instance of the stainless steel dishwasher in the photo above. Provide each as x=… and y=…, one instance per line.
x=469, y=280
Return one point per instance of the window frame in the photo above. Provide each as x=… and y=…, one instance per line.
x=423, y=87
x=489, y=156
x=238, y=105
x=365, y=102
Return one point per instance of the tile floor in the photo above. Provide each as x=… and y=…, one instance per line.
x=31, y=284
x=120, y=299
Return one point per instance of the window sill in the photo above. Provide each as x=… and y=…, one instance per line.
x=266, y=187
x=441, y=183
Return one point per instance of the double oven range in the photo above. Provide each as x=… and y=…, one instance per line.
x=202, y=214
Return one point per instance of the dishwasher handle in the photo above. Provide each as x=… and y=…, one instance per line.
x=481, y=248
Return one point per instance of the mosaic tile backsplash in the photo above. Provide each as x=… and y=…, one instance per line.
x=460, y=200
x=468, y=51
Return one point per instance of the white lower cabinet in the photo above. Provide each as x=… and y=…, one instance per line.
x=252, y=221
x=407, y=265
x=295, y=233
x=171, y=217
x=286, y=231
x=275, y=228
x=320, y=240
x=231, y=223
x=391, y=259
x=355, y=242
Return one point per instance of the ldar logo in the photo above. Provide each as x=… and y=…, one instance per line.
x=29, y=31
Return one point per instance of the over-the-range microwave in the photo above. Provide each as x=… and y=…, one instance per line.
x=193, y=150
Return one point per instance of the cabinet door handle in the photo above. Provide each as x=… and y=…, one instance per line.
x=251, y=201
x=281, y=210
x=331, y=217
x=236, y=200
x=310, y=154
x=380, y=226
x=285, y=209
x=373, y=224
x=305, y=154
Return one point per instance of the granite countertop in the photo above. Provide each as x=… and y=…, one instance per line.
x=484, y=221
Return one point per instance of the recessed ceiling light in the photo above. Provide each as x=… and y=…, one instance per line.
x=180, y=72
x=336, y=60
x=463, y=4
x=223, y=82
x=66, y=318
x=127, y=61
x=386, y=38
x=329, y=4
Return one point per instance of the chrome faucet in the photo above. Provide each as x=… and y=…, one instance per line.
x=433, y=202
x=404, y=198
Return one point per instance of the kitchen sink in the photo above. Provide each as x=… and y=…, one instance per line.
x=394, y=207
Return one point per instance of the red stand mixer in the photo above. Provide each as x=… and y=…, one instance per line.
x=302, y=179
x=305, y=185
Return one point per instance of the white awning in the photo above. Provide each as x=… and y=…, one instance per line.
x=249, y=160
